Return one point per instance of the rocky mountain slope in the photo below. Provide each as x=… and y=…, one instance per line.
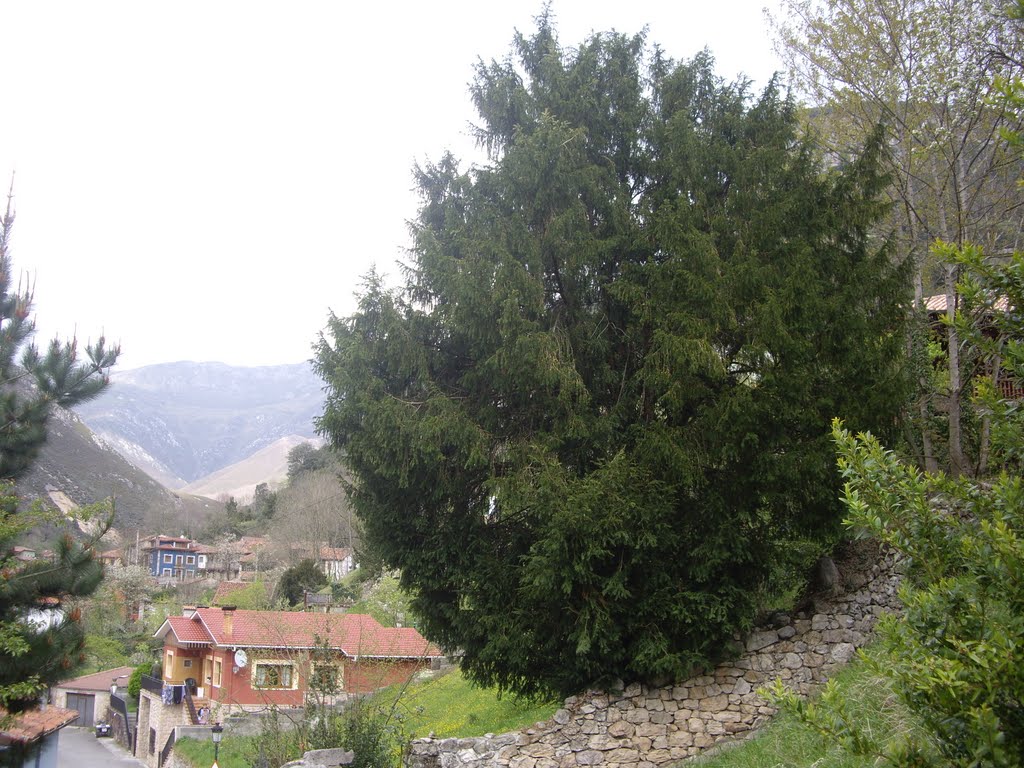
x=75, y=468
x=268, y=465
x=181, y=422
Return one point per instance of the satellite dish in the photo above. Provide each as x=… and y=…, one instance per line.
x=241, y=659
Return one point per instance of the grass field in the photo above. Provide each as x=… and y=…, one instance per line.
x=450, y=706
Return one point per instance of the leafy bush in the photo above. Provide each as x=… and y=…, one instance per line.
x=954, y=656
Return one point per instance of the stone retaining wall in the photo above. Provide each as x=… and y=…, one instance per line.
x=644, y=727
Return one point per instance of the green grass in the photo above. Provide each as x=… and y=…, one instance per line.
x=788, y=743
x=447, y=705
x=450, y=705
x=233, y=752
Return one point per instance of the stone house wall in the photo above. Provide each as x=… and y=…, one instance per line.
x=645, y=727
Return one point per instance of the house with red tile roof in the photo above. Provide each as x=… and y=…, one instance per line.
x=239, y=659
x=30, y=738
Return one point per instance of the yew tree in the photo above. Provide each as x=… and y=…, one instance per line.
x=594, y=420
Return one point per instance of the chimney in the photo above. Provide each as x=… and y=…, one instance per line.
x=229, y=620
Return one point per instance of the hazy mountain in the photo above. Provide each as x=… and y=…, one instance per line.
x=183, y=421
x=268, y=465
x=75, y=468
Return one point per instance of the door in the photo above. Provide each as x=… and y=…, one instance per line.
x=85, y=704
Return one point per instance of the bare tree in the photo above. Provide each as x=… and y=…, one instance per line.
x=923, y=70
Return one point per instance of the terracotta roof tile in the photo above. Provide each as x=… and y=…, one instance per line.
x=99, y=681
x=34, y=724
x=354, y=634
x=188, y=630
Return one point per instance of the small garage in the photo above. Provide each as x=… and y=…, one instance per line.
x=85, y=705
x=89, y=695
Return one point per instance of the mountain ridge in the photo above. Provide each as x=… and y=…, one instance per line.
x=181, y=422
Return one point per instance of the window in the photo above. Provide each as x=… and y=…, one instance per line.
x=168, y=558
x=277, y=674
x=177, y=559
x=187, y=663
x=168, y=665
x=190, y=559
x=168, y=571
x=217, y=672
x=326, y=678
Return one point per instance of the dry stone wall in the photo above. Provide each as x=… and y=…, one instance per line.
x=638, y=726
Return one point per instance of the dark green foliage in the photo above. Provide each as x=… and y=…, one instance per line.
x=34, y=655
x=299, y=578
x=591, y=424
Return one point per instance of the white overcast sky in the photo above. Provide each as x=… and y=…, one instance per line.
x=207, y=180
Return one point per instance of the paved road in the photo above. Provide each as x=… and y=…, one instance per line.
x=79, y=748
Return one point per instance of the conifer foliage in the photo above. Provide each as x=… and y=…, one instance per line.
x=591, y=423
x=40, y=636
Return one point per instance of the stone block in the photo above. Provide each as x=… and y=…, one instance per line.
x=791, y=661
x=537, y=750
x=715, y=703
x=621, y=729
x=329, y=757
x=561, y=716
x=620, y=756
x=843, y=652
x=648, y=730
x=638, y=716
x=762, y=639
x=603, y=742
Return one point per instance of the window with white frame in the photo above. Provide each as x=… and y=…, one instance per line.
x=190, y=559
x=168, y=558
x=273, y=674
x=218, y=671
x=326, y=677
x=169, y=665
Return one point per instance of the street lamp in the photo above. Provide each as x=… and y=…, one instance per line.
x=218, y=729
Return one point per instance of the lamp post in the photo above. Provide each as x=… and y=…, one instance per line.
x=218, y=729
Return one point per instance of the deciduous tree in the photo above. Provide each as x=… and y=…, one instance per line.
x=593, y=422
x=924, y=71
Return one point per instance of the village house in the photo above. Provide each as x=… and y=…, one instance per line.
x=226, y=660
x=171, y=557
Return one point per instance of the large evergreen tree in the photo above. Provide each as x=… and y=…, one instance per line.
x=595, y=419
x=41, y=640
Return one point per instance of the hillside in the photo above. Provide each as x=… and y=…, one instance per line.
x=77, y=468
x=181, y=422
x=239, y=480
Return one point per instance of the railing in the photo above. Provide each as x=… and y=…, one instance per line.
x=152, y=684
x=190, y=705
x=120, y=708
x=168, y=746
